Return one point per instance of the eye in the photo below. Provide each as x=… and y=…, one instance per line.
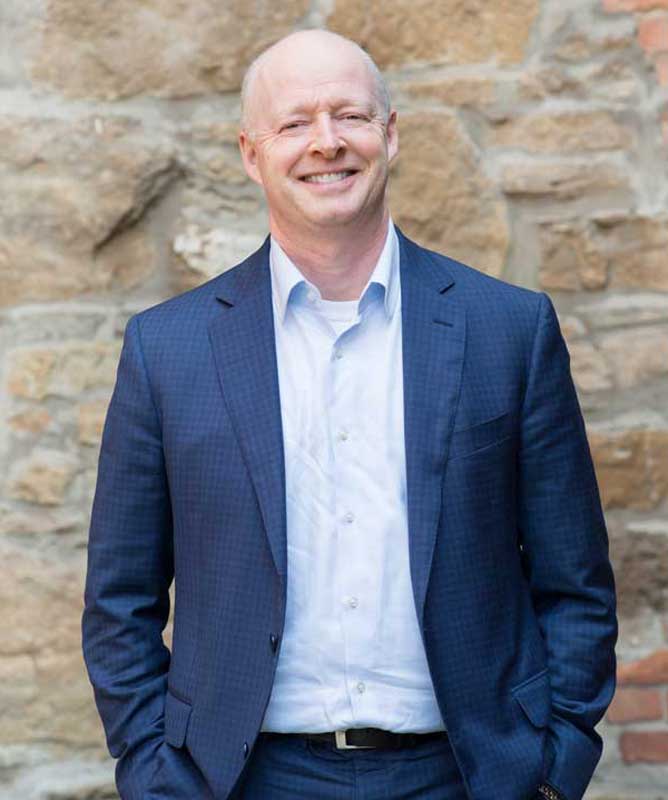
x=292, y=126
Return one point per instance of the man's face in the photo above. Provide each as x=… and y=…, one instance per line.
x=318, y=144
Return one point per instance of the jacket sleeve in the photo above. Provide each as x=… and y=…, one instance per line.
x=130, y=569
x=565, y=551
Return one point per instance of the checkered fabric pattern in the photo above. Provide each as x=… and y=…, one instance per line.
x=508, y=550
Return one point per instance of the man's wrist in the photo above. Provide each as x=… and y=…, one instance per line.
x=547, y=792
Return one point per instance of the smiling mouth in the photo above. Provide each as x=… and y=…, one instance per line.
x=328, y=177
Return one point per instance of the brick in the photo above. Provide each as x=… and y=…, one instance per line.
x=649, y=671
x=636, y=705
x=661, y=64
x=653, y=33
x=648, y=747
x=617, y=6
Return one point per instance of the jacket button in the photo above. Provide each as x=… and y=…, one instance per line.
x=273, y=641
x=245, y=749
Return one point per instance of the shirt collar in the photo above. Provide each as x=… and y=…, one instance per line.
x=286, y=277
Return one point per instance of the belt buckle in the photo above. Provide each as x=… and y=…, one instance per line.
x=342, y=743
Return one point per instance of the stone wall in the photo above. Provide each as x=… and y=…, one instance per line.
x=534, y=143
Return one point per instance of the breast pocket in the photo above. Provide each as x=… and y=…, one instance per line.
x=466, y=441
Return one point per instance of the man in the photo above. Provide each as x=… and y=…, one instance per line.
x=365, y=466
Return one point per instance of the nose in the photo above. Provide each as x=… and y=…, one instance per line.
x=325, y=139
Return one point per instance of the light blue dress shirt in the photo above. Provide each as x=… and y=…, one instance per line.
x=352, y=654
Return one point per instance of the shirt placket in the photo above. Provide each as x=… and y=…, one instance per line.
x=349, y=583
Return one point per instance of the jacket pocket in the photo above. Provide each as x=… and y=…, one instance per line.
x=535, y=698
x=177, y=715
x=468, y=440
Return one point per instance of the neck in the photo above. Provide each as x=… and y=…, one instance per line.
x=340, y=261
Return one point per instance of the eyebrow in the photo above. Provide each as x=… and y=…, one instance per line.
x=336, y=104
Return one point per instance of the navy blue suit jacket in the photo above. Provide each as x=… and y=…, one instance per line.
x=508, y=548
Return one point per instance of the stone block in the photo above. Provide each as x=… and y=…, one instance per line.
x=43, y=477
x=45, y=689
x=203, y=253
x=570, y=261
x=614, y=250
x=561, y=132
x=630, y=466
x=450, y=32
x=165, y=48
x=40, y=521
x=30, y=421
x=636, y=355
x=77, y=195
x=447, y=203
x=579, y=46
x=640, y=560
x=637, y=245
x=562, y=181
x=62, y=370
x=546, y=81
x=624, y=309
x=91, y=421
x=474, y=91
x=591, y=372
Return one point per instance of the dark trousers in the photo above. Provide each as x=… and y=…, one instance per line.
x=292, y=768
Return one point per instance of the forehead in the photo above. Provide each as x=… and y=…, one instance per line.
x=294, y=82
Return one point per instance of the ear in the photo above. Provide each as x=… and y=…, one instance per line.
x=392, y=135
x=248, y=150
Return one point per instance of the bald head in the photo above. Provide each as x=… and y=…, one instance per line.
x=300, y=52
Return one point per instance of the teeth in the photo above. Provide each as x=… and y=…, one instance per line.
x=327, y=177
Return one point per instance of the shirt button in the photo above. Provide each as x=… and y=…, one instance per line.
x=245, y=749
x=361, y=687
x=353, y=602
x=349, y=517
x=311, y=296
x=338, y=354
x=342, y=436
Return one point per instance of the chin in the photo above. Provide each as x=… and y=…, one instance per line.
x=339, y=215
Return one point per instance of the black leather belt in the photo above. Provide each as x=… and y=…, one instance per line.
x=365, y=738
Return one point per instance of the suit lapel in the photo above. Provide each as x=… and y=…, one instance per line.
x=242, y=338
x=433, y=336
